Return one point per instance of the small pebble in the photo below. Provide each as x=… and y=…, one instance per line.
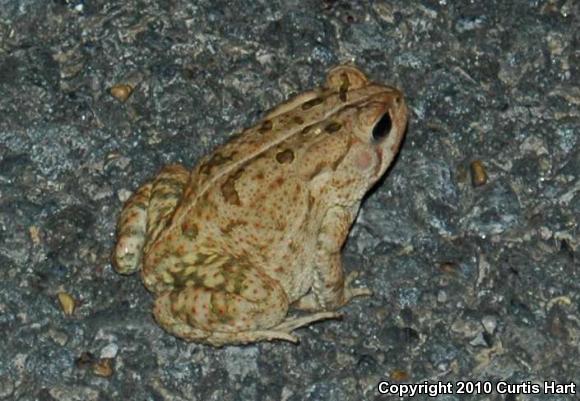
x=103, y=367
x=479, y=341
x=109, y=351
x=399, y=375
x=441, y=296
x=67, y=303
x=489, y=323
x=478, y=173
x=121, y=92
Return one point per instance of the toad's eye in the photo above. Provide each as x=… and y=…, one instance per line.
x=382, y=128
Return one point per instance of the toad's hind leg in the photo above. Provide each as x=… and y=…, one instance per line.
x=145, y=214
x=223, y=303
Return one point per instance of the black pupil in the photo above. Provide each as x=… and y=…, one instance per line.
x=382, y=128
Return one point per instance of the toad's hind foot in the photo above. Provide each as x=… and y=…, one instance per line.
x=291, y=324
x=283, y=331
x=353, y=292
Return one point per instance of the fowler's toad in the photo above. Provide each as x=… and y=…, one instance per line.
x=257, y=227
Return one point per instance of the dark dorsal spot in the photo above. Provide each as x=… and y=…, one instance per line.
x=298, y=120
x=285, y=156
x=382, y=127
x=316, y=170
x=332, y=127
x=311, y=103
x=189, y=229
x=265, y=127
x=343, y=87
x=229, y=188
x=229, y=192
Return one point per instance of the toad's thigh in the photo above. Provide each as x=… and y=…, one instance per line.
x=224, y=297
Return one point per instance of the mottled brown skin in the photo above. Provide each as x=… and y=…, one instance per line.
x=257, y=227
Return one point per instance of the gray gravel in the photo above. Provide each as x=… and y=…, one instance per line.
x=471, y=282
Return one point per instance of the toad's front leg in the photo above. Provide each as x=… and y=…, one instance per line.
x=329, y=289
